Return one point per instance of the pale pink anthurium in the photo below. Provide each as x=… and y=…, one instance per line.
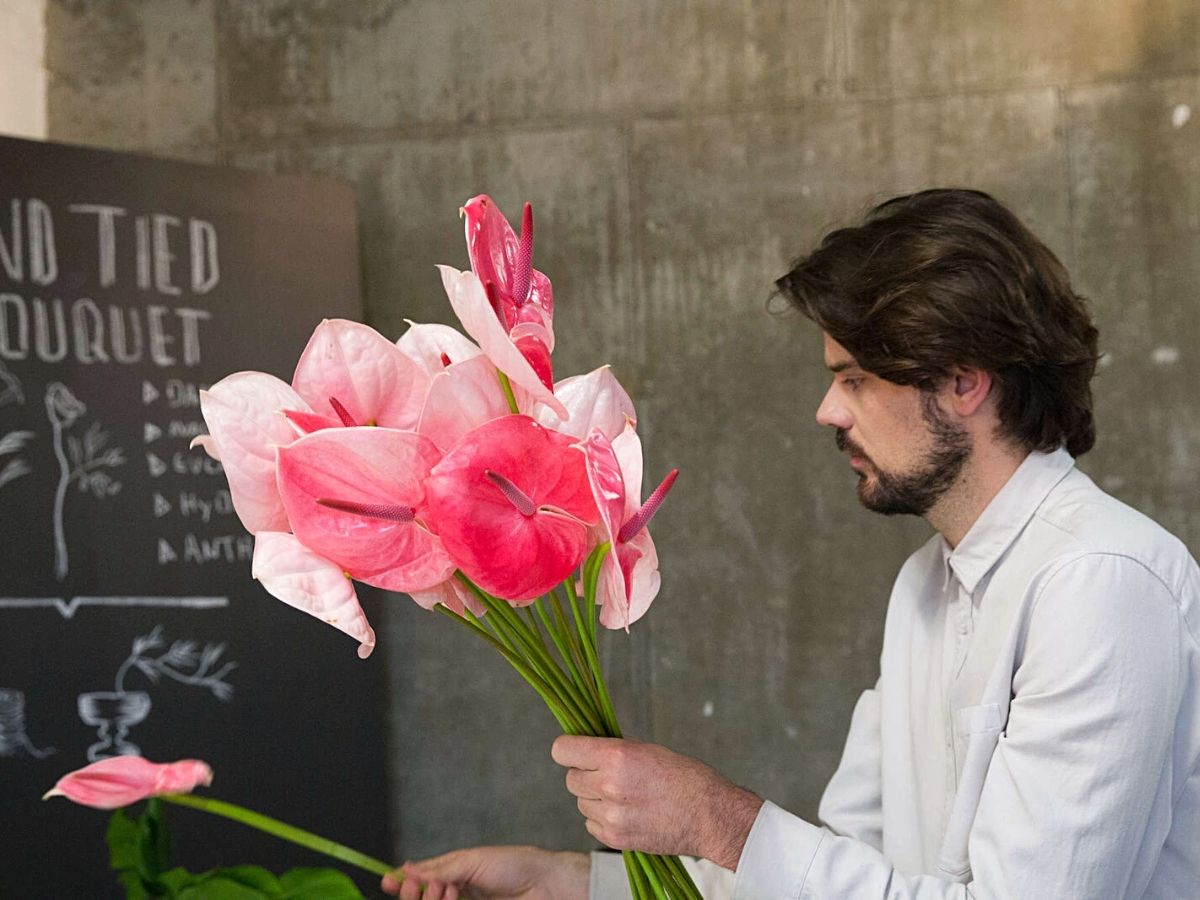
x=353, y=373
x=594, y=401
x=433, y=346
x=310, y=583
x=629, y=578
x=121, y=780
x=471, y=305
x=354, y=496
x=464, y=396
x=512, y=504
x=246, y=417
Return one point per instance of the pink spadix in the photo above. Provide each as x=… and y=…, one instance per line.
x=387, y=512
x=342, y=413
x=515, y=496
x=642, y=517
x=524, y=257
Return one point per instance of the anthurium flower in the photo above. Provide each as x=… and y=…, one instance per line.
x=595, y=400
x=629, y=578
x=470, y=302
x=353, y=495
x=245, y=414
x=433, y=347
x=464, y=396
x=308, y=582
x=521, y=294
x=512, y=505
x=121, y=780
x=351, y=371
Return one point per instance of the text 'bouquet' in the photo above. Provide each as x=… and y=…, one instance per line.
x=459, y=472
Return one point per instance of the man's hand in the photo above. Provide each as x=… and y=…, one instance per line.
x=518, y=872
x=645, y=797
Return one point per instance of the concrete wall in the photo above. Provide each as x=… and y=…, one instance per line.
x=23, y=74
x=678, y=154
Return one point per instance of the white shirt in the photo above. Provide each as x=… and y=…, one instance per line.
x=1035, y=730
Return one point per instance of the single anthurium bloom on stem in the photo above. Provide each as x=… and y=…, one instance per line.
x=353, y=495
x=629, y=578
x=595, y=400
x=512, y=505
x=308, y=582
x=121, y=780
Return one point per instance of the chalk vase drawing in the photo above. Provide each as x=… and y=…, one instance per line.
x=88, y=456
x=13, y=738
x=112, y=714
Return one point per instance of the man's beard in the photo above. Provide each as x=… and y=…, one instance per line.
x=914, y=493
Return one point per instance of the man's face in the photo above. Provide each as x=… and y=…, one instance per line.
x=906, y=451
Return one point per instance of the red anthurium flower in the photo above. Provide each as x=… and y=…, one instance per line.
x=352, y=496
x=517, y=361
x=121, y=780
x=512, y=504
x=308, y=582
x=352, y=375
x=521, y=294
x=629, y=578
x=245, y=414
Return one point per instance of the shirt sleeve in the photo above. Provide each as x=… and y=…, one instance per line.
x=852, y=805
x=609, y=881
x=1077, y=796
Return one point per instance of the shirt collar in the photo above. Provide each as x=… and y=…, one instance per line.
x=1006, y=516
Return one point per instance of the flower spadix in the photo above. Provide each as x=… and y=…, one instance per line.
x=122, y=780
x=512, y=504
x=352, y=496
x=629, y=578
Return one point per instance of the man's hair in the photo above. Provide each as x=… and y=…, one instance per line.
x=950, y=277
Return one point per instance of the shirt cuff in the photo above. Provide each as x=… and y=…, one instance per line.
x=778, y=854
x=608, y=879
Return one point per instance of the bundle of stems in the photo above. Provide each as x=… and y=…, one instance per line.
x=555, y=651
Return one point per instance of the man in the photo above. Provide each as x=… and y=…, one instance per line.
x=1035, y=730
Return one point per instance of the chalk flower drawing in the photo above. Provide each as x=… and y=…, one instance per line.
x=89, y=457
x=17, y=466
x=10, y=387
x=114, y=713
x=481, y=487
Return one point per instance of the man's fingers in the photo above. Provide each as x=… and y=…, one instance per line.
x=578, y=752
x=390, y=885
x=583, y=784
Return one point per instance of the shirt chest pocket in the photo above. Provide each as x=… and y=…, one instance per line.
x=976, y=732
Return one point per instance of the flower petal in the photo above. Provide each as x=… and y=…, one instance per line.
x=121, y=780
x=244, y=413
x=462, y=397
x=470, y=304
x=451, y=593
x=430, y=345
x=637, y=561
x=594, y=400
x=364, y=371
x=371, y=467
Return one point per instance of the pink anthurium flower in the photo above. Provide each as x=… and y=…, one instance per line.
x=464, y=396
x=520, y=294
x=352, y=372
x=512, y=504
x=629, y=578
x=595, y=400
x=245, y=414
x=470, y=302
x=433, y=347
x=121, y=780
x=308, y=582
x=353, y=496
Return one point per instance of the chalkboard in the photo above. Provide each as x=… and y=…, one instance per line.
x=128, y=618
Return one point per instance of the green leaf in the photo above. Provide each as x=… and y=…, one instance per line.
x=317, y=884
x=123, y=854
x=221, y=888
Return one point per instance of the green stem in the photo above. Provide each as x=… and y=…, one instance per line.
x=591, y=572
x=282, y=830
x=561, y=637
x=637, y=878
x=675, y=865
x=506, y=385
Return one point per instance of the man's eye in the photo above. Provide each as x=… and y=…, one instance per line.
x=852, y=383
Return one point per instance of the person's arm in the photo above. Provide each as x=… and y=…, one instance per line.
x=1075, y=802
x=852, y=804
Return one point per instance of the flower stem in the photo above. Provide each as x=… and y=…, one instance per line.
x=506, y=385
x=282, y=830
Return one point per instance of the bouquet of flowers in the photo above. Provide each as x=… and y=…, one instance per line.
x=455, y=469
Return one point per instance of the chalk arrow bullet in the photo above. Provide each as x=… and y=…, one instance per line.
x=149, y=393
x=150, y=432
x=165, y=553
x=161, y=506
x=156, y=465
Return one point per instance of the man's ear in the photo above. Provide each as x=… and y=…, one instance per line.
x=968, y=389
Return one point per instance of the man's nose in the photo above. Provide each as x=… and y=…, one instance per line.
x=831, y=413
